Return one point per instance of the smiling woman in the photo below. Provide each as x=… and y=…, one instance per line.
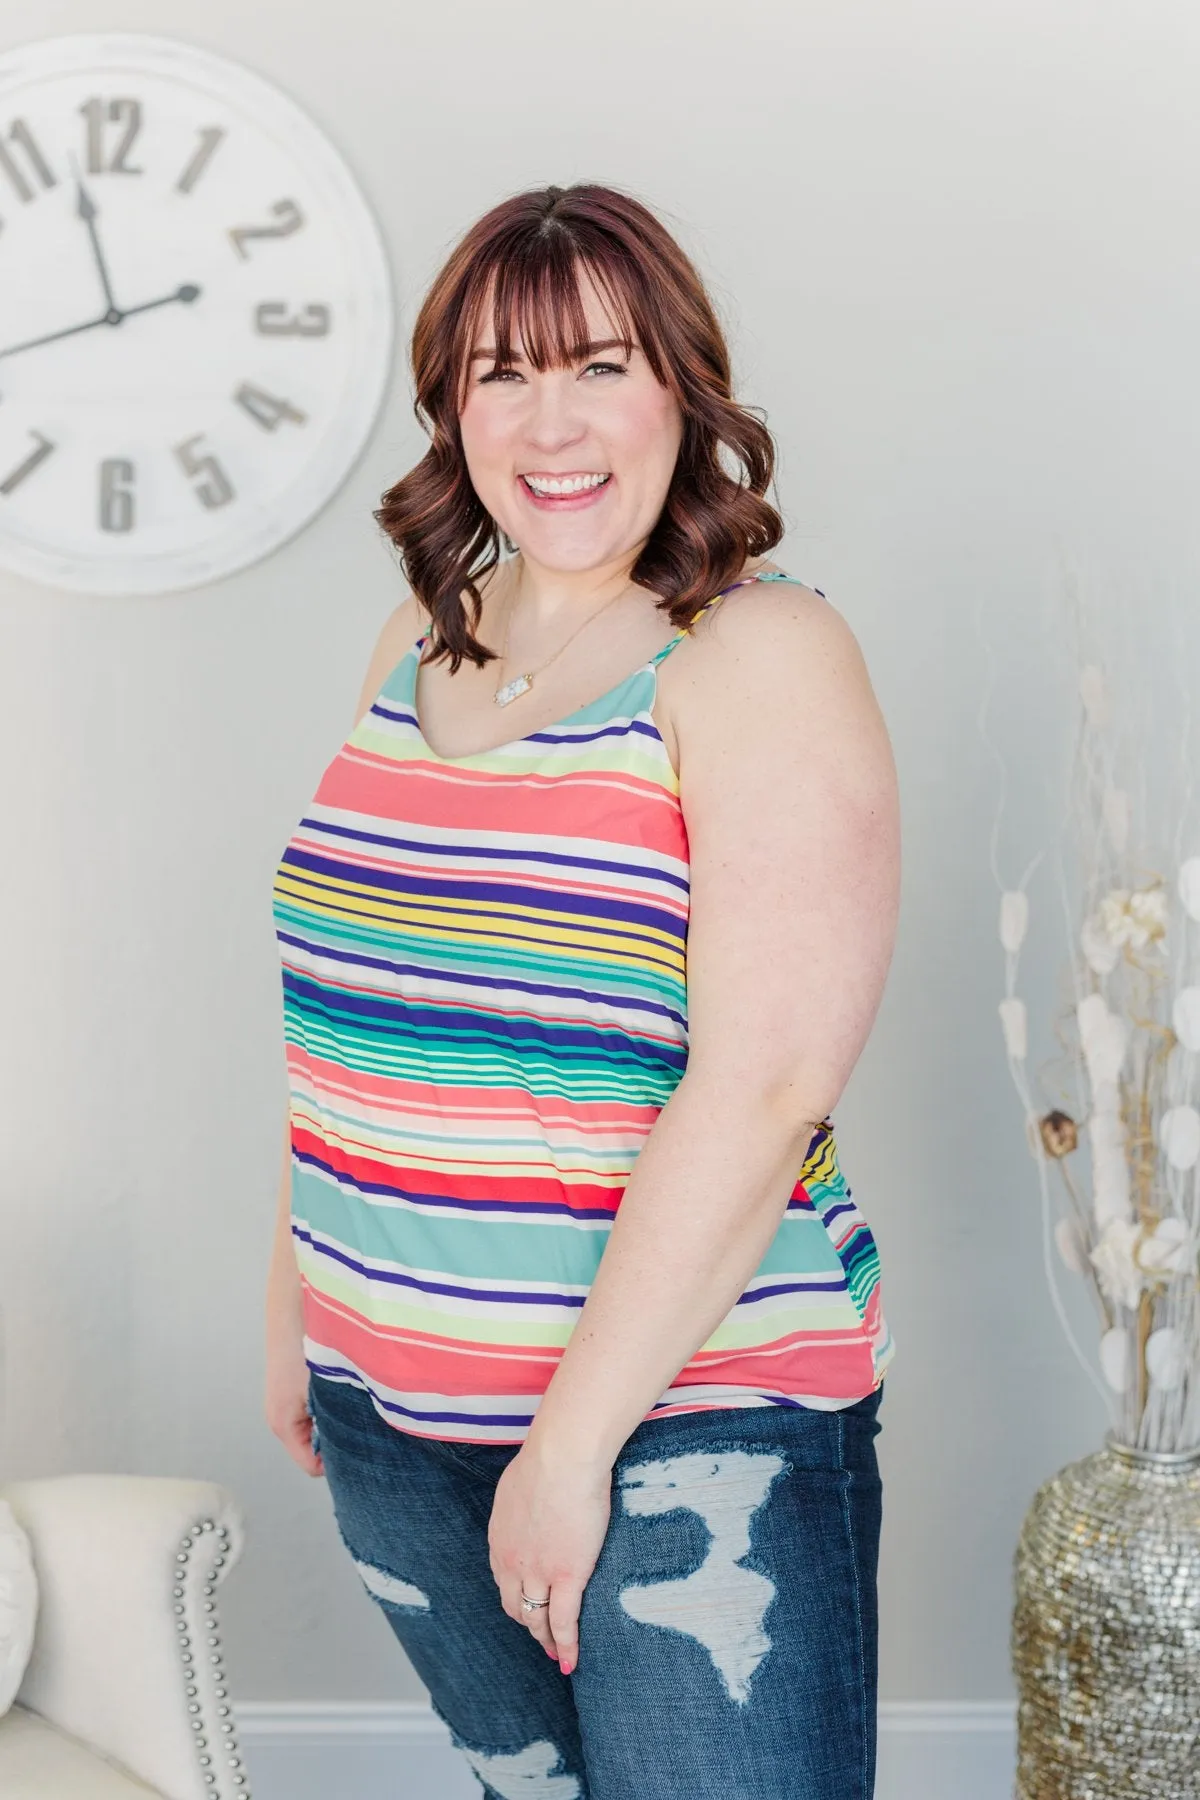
x=569, y=1284
x=514, y=370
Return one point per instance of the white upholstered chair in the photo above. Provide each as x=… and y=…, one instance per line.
x=124, y=1695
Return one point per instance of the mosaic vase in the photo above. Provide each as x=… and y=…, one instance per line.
x=1106, y=1630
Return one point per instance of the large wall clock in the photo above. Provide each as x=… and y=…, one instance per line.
x=195, y=315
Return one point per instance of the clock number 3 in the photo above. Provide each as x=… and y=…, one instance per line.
x=271, y=319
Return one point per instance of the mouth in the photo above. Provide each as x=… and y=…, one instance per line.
x=564, y=493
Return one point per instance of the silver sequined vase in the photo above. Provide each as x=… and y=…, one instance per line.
x=1106, y=1630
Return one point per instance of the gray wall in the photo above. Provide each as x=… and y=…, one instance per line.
x=956, y=248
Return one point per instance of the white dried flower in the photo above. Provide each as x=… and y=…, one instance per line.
x=1189, y=886
x=1166, y=1250
x=1137, y=917
x=1185, y=1017
x=1099, y=951
x=1111, y=1186
x=1179, y=1135
x=1014, y=918
x=1071, y=1246
x=1013, y=1020
x=1114, y=1358
x=1116, y=1264
x=1104, y=1037
x=1166, y=1363
x=1148, y=915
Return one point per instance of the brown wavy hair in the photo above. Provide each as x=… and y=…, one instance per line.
x=527, y=253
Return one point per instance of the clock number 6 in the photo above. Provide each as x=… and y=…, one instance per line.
x=215, y=487
x=116, y=495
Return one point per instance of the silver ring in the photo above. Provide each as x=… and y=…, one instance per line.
x=531, y=1605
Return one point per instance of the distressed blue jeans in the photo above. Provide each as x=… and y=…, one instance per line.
x=728, y=1633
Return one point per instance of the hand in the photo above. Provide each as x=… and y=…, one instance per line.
x=548, y=1523
x=287, y=1404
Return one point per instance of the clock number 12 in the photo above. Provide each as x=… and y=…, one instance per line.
x=98, y=113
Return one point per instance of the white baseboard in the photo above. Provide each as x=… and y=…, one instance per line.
x=299, y=1750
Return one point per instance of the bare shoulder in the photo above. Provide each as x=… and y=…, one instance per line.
x=774, y=676
x=771, y=639
x=400, y=631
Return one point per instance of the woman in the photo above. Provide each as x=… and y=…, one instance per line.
x=570, y=1300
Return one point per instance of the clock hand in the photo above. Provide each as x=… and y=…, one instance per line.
x=51, y=336
x=86, y=209
x=187, y=293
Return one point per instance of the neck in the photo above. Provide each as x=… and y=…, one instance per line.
x=542, y=600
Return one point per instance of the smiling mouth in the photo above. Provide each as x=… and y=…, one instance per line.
x=553, y=487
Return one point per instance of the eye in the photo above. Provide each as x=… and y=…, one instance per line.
x=608, y=368
x=496, y=375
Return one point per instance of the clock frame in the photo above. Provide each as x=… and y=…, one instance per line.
x=196, y=315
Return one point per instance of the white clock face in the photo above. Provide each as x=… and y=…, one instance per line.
x=195, y=315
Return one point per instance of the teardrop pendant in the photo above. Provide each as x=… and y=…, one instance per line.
x=520, y=684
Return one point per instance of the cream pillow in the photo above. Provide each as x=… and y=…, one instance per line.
x=18, y=1605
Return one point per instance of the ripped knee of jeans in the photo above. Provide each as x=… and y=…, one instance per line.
x=392, y=1590
x=722, y=1604
x=535, y=1773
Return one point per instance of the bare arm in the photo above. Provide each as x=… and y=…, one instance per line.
x=790, y=800
x=287, y=1372
x=789, y=797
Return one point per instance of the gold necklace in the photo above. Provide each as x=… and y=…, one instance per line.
x=521, y=684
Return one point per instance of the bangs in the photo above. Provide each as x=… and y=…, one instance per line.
x=532, y=291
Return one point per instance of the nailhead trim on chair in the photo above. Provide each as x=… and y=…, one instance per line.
x=188, y=1635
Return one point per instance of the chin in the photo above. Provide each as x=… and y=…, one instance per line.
x=570, y=551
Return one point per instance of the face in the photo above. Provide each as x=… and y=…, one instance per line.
x=573, y=463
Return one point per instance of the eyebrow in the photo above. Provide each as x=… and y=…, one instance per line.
x=581, y=350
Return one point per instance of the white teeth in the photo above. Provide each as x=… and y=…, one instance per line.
x=573, y=484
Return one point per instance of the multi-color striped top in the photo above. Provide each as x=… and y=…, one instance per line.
x=485, y=1010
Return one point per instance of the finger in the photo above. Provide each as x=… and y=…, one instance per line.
x=509, y=1585
x=563, y=1615
x=512, y=1595
x=298, y=1442
x=537, y=1624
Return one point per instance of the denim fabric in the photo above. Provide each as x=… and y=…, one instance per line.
x=728, y=1633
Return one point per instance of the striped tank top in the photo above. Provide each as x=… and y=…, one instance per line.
x=485, y=1010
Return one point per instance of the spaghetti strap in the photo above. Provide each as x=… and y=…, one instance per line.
x=759, y=575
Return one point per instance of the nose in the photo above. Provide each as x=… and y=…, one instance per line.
x=554, y=418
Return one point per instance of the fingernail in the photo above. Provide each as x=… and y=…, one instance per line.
x=566, y=1667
